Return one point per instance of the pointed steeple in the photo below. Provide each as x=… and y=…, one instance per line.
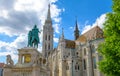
x=76, y=32
x=62, y=33
x=62, y=36
x=49, y=14
x=76, y=27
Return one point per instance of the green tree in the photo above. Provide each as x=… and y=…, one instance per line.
x=110, y=49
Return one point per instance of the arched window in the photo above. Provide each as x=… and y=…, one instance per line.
x=45, y=37
x=84, y=63
x=94, y=63
x=77, y=53
x=77, y=66
x=49, y=46
x=93, y=49
x=45, y=46
x=49, y=37
x=84, y=51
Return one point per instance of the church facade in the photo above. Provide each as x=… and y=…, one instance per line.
x=77, y=57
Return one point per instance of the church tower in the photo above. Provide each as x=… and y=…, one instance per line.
x=47, y=43
x=76, y=31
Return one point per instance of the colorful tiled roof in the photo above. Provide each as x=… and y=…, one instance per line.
x=70, y=44
x=82, y=39
x=94, y=33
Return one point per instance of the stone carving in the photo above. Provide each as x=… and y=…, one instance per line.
x=9, y=60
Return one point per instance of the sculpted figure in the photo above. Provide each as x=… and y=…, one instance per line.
x=9, y=60
x=29, y=38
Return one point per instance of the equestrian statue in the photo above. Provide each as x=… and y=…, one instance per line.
x=33, y=37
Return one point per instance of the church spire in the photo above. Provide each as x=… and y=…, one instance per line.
x=76, y=27
x=62, y=33
x=47, y=44
x=49, y=14
x=76, y=32
x=62, y=36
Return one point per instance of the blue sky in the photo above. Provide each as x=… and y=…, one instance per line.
x=17, y=17
x=85, y=10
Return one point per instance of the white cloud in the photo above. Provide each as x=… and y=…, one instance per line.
x=56, y=40
x=56, y=28
x=99, y=22
x=23, y=14
x=86, y=28
x=11, y=48
x=17, y=17
x=72, y=28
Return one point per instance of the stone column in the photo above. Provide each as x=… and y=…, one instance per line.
x=89, y=61
x=19, y=58
x=97, y=60
x=71, y=68
x=36, y=71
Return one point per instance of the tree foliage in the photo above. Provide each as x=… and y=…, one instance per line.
x=110, y=49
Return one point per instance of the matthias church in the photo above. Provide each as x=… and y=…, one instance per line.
x=77, y=57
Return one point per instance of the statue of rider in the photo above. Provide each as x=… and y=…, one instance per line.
x=35, y=32
x=33, y=37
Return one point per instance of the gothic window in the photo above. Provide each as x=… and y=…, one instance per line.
x=49, y=37
x=76, y=66
x=45, y=46
x=84, y=51
x=77, y=53
x=49, y=47
x=64, y=56
x=84, y=62
x=93, y=49
x=94, y=63
x=45, y=37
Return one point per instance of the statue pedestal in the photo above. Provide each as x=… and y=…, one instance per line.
x=7, y=71
x=30, y=63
